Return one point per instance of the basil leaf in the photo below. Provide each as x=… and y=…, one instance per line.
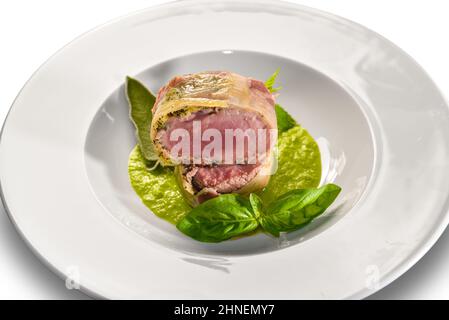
x=219, y=219
x=141, y=101
x=297, y=208
x=231, y=215
x=284, y=120
x=256, y=204
x=271, y=82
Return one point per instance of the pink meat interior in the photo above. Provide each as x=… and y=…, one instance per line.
x=218, y=119
x=224, y=179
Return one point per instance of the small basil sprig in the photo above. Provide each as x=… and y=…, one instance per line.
x=232, y=215
x=271, y=82
x=284, y=120
x=219, y=219
x=141, y=101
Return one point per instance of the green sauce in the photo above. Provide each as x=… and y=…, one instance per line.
x=299, y=164
x=158, y=188
x=299, y=167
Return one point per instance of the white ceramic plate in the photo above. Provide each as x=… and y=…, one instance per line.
x=382, y=126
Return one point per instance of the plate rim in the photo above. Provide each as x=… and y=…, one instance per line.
x=398, y=271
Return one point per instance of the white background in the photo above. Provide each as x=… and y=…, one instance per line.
x=31, y=31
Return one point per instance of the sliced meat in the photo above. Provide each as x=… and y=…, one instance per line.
x=224, y=179
x=220, y=120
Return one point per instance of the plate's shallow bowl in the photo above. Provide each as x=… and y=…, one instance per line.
x=317, y=102
x=384, y=124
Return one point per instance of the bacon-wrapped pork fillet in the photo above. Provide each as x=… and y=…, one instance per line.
x=205, y=106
